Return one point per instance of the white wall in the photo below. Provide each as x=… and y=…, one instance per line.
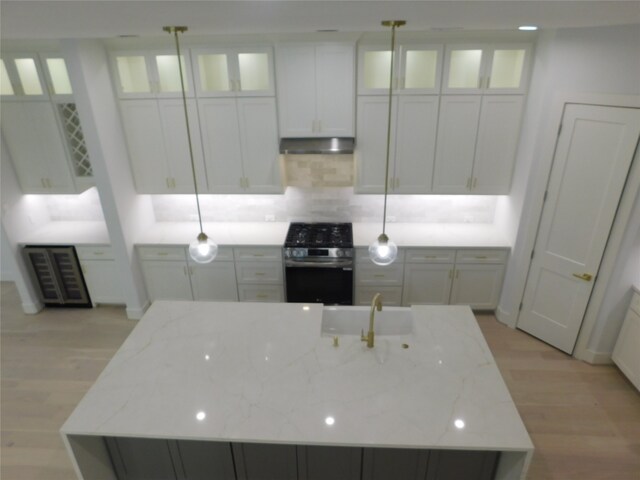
x=601, y=60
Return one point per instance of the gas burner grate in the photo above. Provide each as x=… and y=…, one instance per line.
x=327, y=235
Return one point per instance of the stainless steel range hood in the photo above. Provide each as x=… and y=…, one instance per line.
x=324, y=146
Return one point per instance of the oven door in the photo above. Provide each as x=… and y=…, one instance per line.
x=331, y=285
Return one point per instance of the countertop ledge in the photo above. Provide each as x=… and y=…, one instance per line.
x=436, y=235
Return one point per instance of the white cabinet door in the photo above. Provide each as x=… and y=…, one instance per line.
x=103, y=281
x=158, y=145
x=478, y=286
x=455, y=151
x=372, y=143
x=498, y=133
x=167, y=280
x=420, y=69
x=427, y=284
x=417, y=123
x=297, y=90
x=35, y=144
x=316, y=86
x=261, y=293
x=222, y=144
x=335, y=87
x=259, y=134
x=215, y=281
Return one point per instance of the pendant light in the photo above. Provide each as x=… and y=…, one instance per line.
x=383, y=251
x=202, y=249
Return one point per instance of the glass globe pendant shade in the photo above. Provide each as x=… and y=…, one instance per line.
x=383, y=251
x=203, y=249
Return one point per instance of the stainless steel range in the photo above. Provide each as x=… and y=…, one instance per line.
x=318, y=260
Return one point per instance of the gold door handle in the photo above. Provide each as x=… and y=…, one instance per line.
x=583, y=276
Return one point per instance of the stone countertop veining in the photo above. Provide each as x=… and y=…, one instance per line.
x=264, y=373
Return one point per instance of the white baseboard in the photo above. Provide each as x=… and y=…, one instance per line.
x=136, y=313
x=31, y=308
x=506, y=317
x=596, y=358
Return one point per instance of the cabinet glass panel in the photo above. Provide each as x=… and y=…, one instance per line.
x=169, y=74
x=214, y=72
x=59, y=76
x=377, y=69
x=464, y=68
x=420, y=69
x=506, y=71
x=254, y=71
x=28, y=74
x=133, y=74
x=5, y=82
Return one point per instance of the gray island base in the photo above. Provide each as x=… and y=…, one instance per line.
x=222, y=390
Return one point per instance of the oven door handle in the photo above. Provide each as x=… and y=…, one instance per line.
x=334, y=264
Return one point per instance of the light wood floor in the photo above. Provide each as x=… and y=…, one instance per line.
x=584, y=420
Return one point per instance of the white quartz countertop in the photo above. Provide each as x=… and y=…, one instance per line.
x=273, y=233
x=252, y=372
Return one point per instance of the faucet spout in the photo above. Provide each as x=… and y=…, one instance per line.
x=376, y=303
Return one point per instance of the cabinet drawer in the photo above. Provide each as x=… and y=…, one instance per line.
x=259, y=272
x=391, y=296
x=635, y=303
x=162, y=253
x=371, y=274
x=430, y=255
x=94, y=252
x=362, y=256
x=481, y=256
x=261, y=293
x=258, y=254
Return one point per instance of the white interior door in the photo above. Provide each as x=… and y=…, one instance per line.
x=593, y=155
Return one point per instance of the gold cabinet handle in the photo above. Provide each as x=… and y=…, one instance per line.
x=583, y=276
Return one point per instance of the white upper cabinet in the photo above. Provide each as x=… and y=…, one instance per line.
x=240, y=140
x=414, y=122
x=158, y=146
x=417, y=69
x=37, y=103
x=151, y=74
x=226, y=72
x=476, y=145
x=477, y=68
x=316, y=90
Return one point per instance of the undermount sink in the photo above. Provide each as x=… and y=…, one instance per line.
x=354, y=320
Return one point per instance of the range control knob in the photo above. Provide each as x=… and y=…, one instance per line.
x=298, y=252
x=339, y=253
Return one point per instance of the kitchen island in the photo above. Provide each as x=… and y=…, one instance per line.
x=219, y=387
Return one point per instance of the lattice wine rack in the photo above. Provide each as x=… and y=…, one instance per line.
x=75, y=139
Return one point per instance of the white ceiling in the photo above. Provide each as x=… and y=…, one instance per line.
x=22, y=19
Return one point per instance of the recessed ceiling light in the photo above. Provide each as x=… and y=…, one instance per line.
x=528, y=28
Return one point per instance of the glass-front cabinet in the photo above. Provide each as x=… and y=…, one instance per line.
x=233, y=72
x=475, y=68
x=417, y=69
x=151, y=74
x=37, y=102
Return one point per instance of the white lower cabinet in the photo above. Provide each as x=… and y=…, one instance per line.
x=260, y=274
x=100, y=274
x=169, y=275
x=433, y=276
x=626, y=353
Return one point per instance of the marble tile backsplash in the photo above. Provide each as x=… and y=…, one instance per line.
x=309, y=171
x=317, y=204
x=83, y=207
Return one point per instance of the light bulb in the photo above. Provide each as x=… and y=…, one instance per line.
x=383, y=251
x=203, y=249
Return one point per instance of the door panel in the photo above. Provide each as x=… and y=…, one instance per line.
x=592, y=159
